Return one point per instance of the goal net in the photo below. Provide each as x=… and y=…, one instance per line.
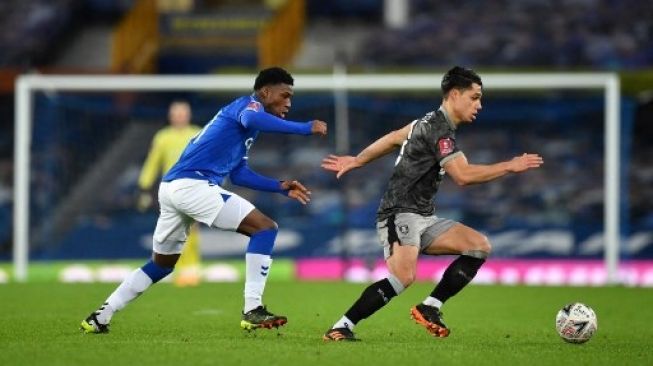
x=80, y=142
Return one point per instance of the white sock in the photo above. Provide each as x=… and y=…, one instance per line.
x=344, y=322
x=432, y=301
x=134, y=285
x=257, y=267
x=105, y=313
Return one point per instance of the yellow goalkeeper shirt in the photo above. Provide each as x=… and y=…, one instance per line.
x=167, y=146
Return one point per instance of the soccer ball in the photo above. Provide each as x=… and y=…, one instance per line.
x=576, y=323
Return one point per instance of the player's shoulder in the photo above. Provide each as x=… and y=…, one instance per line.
x=170, y=133
x=438, y=121
x=240, y=105
x=436, y=117
x=432, y=126
x=162, y=133
x=247, y=102
x=433, y=120
x=253, y=105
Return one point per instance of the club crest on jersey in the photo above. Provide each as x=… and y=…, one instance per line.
x=403, y=229
x=254, y=106
x=248, y=143
x=446, y=146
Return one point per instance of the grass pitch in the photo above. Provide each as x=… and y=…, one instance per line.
x=491, y=325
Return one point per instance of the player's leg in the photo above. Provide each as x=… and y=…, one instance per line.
x=448, y=237
x=187, y=270
x=401, y=265
x=240, y=215
x=397, y=234
x=262, y=232
x=168, y=240
x=473, y=249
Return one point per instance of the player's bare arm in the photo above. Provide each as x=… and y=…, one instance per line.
x=297, y=191
x=464, y=173
x=379, y=148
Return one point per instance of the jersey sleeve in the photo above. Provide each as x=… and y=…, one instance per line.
x=253, y=116
x=252, y=106
x=153, y=163
x=438, y=139
x=243, y=176
x=446, y=149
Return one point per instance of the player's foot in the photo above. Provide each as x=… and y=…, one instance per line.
x=92, y=325
x=431, y=318
x=340, y=334
x=260, y=317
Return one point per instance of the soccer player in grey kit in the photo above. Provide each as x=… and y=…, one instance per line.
x=406, y=220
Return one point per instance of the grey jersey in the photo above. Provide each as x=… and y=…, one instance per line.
x=418, y=170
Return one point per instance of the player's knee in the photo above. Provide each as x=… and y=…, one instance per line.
x=273, y=225
x=484, y=245
x=165, y=260
x=406, y=276
x=256, y=222
x=479, y=247
x=267, y=224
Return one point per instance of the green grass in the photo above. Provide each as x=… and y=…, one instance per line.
x=491, y=325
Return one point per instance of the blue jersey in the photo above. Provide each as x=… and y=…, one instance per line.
x=223, y=143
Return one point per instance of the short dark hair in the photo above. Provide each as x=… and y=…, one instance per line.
x=459, y=78
x=272, y=76
x=179, y=101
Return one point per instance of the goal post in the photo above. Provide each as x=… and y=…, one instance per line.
x=26, y=85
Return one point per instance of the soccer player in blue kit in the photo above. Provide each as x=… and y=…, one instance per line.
x=191, y=191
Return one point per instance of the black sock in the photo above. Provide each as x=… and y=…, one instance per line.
x=459, y=273
x=372, y=299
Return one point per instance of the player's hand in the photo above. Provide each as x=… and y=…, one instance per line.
x=524, y=162
x=144, y=201
x=340, y=164
x=297, y=191
x=319, y=128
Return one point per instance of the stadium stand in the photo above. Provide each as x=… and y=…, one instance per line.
x=30, y=28
x=601, y=34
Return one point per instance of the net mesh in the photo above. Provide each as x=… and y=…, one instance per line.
x=88, y=149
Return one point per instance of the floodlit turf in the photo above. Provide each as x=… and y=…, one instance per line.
x=199, y=326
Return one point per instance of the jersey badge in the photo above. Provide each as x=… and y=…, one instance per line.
x=253, y=106
x=446, y=146
x=403, y=229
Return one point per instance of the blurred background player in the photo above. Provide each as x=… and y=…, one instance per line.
x=191, y=192
x=406, y=220
x=167, y=145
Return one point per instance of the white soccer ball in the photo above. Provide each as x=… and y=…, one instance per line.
x=576, y=323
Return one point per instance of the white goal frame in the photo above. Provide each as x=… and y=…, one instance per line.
x=26, y=85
